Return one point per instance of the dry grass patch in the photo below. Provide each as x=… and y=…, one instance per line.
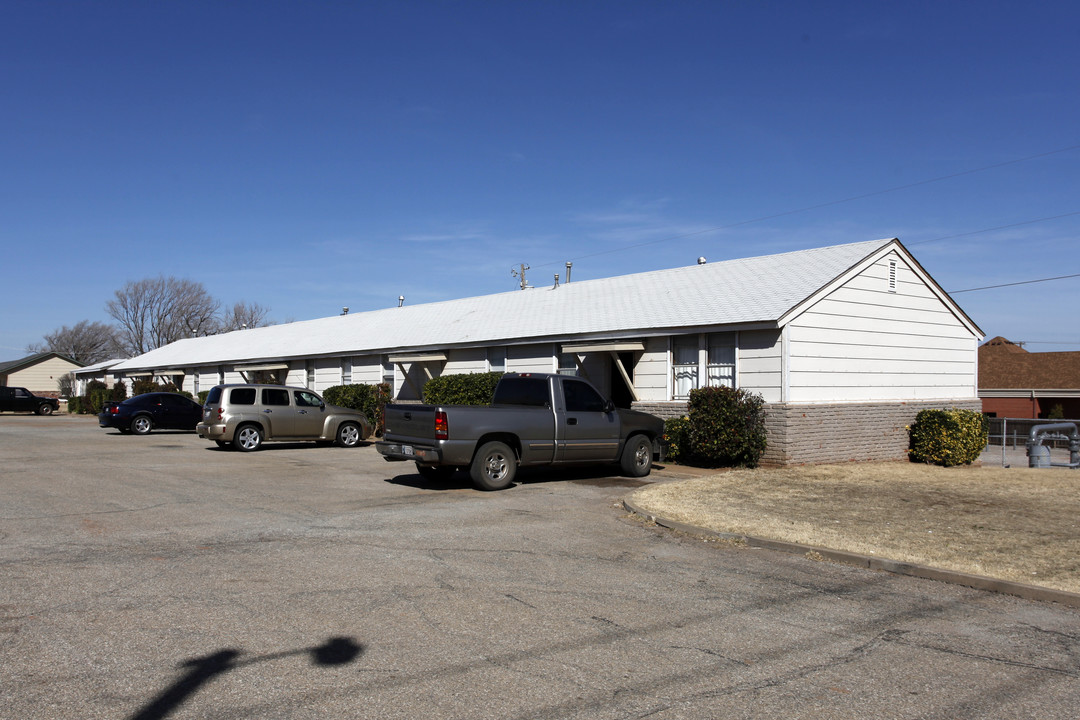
x=1010, y=523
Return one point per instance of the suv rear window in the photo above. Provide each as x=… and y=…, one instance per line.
x=214, y=396
x=242, y=396
x=522, y=391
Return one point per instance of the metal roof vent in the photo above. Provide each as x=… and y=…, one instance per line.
x=400, y=300
x=701, y=260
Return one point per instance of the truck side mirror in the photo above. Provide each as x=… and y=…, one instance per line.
x=609, y=407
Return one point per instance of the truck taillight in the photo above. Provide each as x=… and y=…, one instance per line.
x=442, y=428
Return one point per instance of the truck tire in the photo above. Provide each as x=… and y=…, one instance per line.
x=44, y=409
x=636, y=460
x=493, y=467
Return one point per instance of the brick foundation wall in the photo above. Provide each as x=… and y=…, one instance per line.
x=857, y=432
x=665, y=410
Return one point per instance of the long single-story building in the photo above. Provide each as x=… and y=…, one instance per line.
x=844, y=343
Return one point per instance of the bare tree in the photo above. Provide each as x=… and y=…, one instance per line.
x=157, y=311
x=87, y=342
x=242, y=316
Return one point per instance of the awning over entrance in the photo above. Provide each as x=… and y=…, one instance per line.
x=611, y=348
x=421, y=360
x=633, y=346
x=264, y=366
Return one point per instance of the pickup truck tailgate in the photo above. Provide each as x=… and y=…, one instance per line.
x=415, y=422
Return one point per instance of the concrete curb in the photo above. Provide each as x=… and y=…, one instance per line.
x=978, y=582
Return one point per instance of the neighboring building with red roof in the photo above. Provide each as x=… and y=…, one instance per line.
x=1016, y=383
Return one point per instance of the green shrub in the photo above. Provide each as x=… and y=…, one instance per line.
x=141, y=387
x=472, y=389
x=95, y=399
x=74, y=405
x=118, y=392
x=675, y=438
x=726, y=427
x=368, y=399
x=202, y=396
x=948, y=437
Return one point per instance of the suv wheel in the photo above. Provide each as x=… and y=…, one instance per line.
x=348, y=435
x=248, y=438
x=44, y=409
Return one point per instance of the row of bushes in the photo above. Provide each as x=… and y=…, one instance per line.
x=98, y=394
x=368, y=399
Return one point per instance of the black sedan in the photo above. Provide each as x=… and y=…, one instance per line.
x=150, y=411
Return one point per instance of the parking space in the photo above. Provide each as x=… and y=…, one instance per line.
x=160, y=576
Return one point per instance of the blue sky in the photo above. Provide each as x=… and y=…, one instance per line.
x=313, y=155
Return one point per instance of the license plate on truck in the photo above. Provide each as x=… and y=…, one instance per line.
x=407, y=450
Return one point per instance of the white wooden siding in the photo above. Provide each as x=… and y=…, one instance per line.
x=652, y=371
x=466, y=361
x=760, y=368
x=530, y=358
x=863, y=342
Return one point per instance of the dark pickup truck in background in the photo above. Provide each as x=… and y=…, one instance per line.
x=17, y=399
x=534, y=419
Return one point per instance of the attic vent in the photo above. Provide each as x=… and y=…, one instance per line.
x=892, y=276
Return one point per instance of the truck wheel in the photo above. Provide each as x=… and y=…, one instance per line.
x=248, y=438
x=142, y=425
x=348, y=435
x=493, y=467
x=435, y=473
x=44, y=409
x=636, y=460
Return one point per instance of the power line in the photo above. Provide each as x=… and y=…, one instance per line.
x=830, y=203
x=1024, y=282
x=999, y=227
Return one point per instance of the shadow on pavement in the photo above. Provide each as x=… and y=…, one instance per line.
x=201, y=670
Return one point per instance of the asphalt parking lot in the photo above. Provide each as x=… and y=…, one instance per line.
x=159, y=576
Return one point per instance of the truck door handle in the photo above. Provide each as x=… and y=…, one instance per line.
x=571, y=421
x=268, y=411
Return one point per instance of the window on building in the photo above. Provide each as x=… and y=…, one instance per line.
x=685, y=352
x=387, y=371
x=702, y=360
x=497, y=359
x=309, y=366
x=721, y=359
x=567, y=364
x=346, y=371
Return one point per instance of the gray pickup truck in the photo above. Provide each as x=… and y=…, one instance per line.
x=534, y=419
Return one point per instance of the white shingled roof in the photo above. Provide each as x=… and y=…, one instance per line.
x=734, y=292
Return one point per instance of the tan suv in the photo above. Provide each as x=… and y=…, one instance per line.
x=246, y=416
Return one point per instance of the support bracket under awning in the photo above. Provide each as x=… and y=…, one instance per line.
x=611, y=348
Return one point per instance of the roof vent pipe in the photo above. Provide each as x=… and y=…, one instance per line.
x=568, y=266
x=345, y=310
x=556, y=279
x=701, y=260
x=400, y=300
